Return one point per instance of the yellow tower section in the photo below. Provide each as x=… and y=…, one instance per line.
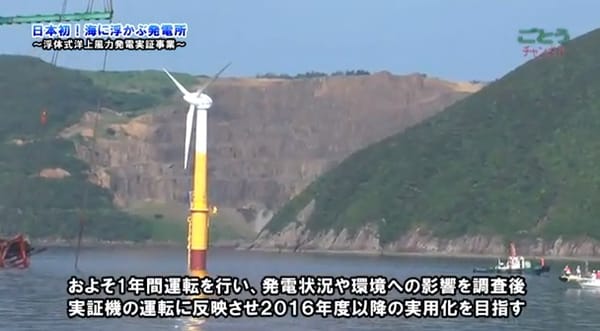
x=199, y=211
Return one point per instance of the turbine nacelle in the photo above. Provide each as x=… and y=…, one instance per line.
x=201, y=101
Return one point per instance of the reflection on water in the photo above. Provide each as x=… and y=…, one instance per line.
x=35, y=299
x=583, y=292
x=191, y=324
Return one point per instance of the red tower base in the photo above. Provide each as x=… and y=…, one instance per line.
x=197, y=259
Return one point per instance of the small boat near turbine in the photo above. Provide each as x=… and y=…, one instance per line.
x=582, y=278
x=515, y=265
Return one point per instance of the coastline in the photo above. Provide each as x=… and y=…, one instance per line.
x=414, y=254
x=94, y=243
x=239, y=245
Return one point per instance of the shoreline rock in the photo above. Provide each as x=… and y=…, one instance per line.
x=415, y=254
x=559, y=251
x=297, y=237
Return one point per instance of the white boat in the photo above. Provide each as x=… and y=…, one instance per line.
x=573, y=278
x=585, y=279
x=589, y=283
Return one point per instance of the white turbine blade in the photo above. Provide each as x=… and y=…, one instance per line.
x=189, y=121
x=212, y=80
x=179, y=86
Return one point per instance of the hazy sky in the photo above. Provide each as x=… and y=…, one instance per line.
x=452, y=39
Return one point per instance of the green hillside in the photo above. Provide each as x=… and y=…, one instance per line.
x=50, y=207
x=522, y=156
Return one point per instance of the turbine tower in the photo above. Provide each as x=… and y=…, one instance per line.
x=198, y=222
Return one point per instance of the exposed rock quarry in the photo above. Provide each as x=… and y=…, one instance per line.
x=268, y=138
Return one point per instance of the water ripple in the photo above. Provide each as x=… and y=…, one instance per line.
x=35, y=299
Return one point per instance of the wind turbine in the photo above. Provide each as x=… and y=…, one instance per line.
x=199, y=103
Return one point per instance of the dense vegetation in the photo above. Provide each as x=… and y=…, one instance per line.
x=52, y=207
x=520, y=157
x=144, y=89
x=315, y=74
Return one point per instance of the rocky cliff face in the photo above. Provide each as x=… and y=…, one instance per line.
x=268, y=138
x=296, y=237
